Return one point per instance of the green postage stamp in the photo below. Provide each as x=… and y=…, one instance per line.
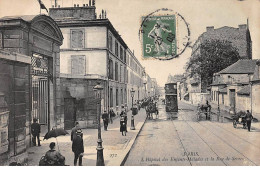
x=159, y=36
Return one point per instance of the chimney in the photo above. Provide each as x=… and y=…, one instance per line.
x=93, y=2
x=89, y=2
x=102, y=14
x=77, y=5
x=83, y=5
x=210, y=28
x=105, y=14
x=242, y=27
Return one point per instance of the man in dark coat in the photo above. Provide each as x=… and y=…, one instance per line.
x=249, y=118
x=73, y=131
x=78, y=147
x=105, y=120
x=36, y=130
x=111, y=115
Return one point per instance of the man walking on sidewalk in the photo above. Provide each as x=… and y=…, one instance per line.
x=105, y=120
x=78, y=147
x=36, y=130
x=111, y=115
x=249, y=118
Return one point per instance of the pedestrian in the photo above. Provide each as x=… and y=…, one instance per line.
x=78, y=147
x=249, y=118
x=74, y=129
x=111, y=115
x=53, y=157
x=36, y=130
x=105, y=120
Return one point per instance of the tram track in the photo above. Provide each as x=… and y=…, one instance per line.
x=184, y=119
x=201, y=138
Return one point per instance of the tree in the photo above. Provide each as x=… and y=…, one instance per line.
x=214, y=56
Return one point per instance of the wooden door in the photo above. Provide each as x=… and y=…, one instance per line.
x=232, y=96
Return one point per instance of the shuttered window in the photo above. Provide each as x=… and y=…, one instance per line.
x=77, y=38
x=78, y=65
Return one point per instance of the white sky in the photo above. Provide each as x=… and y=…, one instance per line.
x=125, y=16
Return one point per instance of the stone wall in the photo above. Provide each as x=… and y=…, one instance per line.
x=14, y=82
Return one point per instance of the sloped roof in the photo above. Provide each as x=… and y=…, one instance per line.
x=242, y=66
x=245, y=90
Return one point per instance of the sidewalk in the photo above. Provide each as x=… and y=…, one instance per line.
x=116, y=146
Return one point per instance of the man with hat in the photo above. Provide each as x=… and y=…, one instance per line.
x=105, y=119
x=74, y=129
x=36, y=130
x=78, y=147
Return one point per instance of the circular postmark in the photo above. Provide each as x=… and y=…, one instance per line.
x=164, y=34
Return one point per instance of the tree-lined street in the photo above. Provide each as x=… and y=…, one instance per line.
x=184, y=141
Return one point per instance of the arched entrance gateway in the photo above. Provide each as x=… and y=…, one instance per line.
x=40, y=38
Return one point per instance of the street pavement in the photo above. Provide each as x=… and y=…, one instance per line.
x=115, y=145
x=185, y=141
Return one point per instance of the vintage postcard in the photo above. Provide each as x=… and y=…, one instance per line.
x=129, y=83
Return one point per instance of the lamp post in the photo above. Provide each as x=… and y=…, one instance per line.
x=100, y=158
x=132, y=119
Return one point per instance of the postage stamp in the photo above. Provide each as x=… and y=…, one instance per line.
x=164, y=34
x=159, y=36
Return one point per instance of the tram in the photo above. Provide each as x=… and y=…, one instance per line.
x=171, y=100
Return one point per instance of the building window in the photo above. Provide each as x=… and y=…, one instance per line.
x=110, y=43
x=124, y=56
x=121, y=53
x=223, y=99
x=78, y=65
x=120, y=77
x=77, y=38
x=122, y=97
x=116, y=97
x=110, y=69
x=116, y=48
x=111, y=97
x=116, y=71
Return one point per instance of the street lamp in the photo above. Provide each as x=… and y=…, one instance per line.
x=132, y=119
x=100, y=158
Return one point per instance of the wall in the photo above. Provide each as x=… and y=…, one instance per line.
x=14, y=82
x=94, y=37
x=256, y=100
x=96, y=62
x=243, y=103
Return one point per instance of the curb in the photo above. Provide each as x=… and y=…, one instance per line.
x=130, y=147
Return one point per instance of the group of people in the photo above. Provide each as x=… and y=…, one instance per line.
x=54, y=158
x=109, y=117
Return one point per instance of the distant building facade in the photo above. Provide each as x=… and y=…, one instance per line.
x=239, y=37
x=231, y=89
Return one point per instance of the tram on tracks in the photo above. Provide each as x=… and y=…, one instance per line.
x=171, y=100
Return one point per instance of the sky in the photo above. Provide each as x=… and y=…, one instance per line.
x=125, y=15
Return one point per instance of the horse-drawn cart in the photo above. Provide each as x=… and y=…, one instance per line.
x=239, y=118
x=204, y=109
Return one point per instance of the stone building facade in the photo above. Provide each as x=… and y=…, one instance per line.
x=93, y=51
x=231, y=89
x=29, y=78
